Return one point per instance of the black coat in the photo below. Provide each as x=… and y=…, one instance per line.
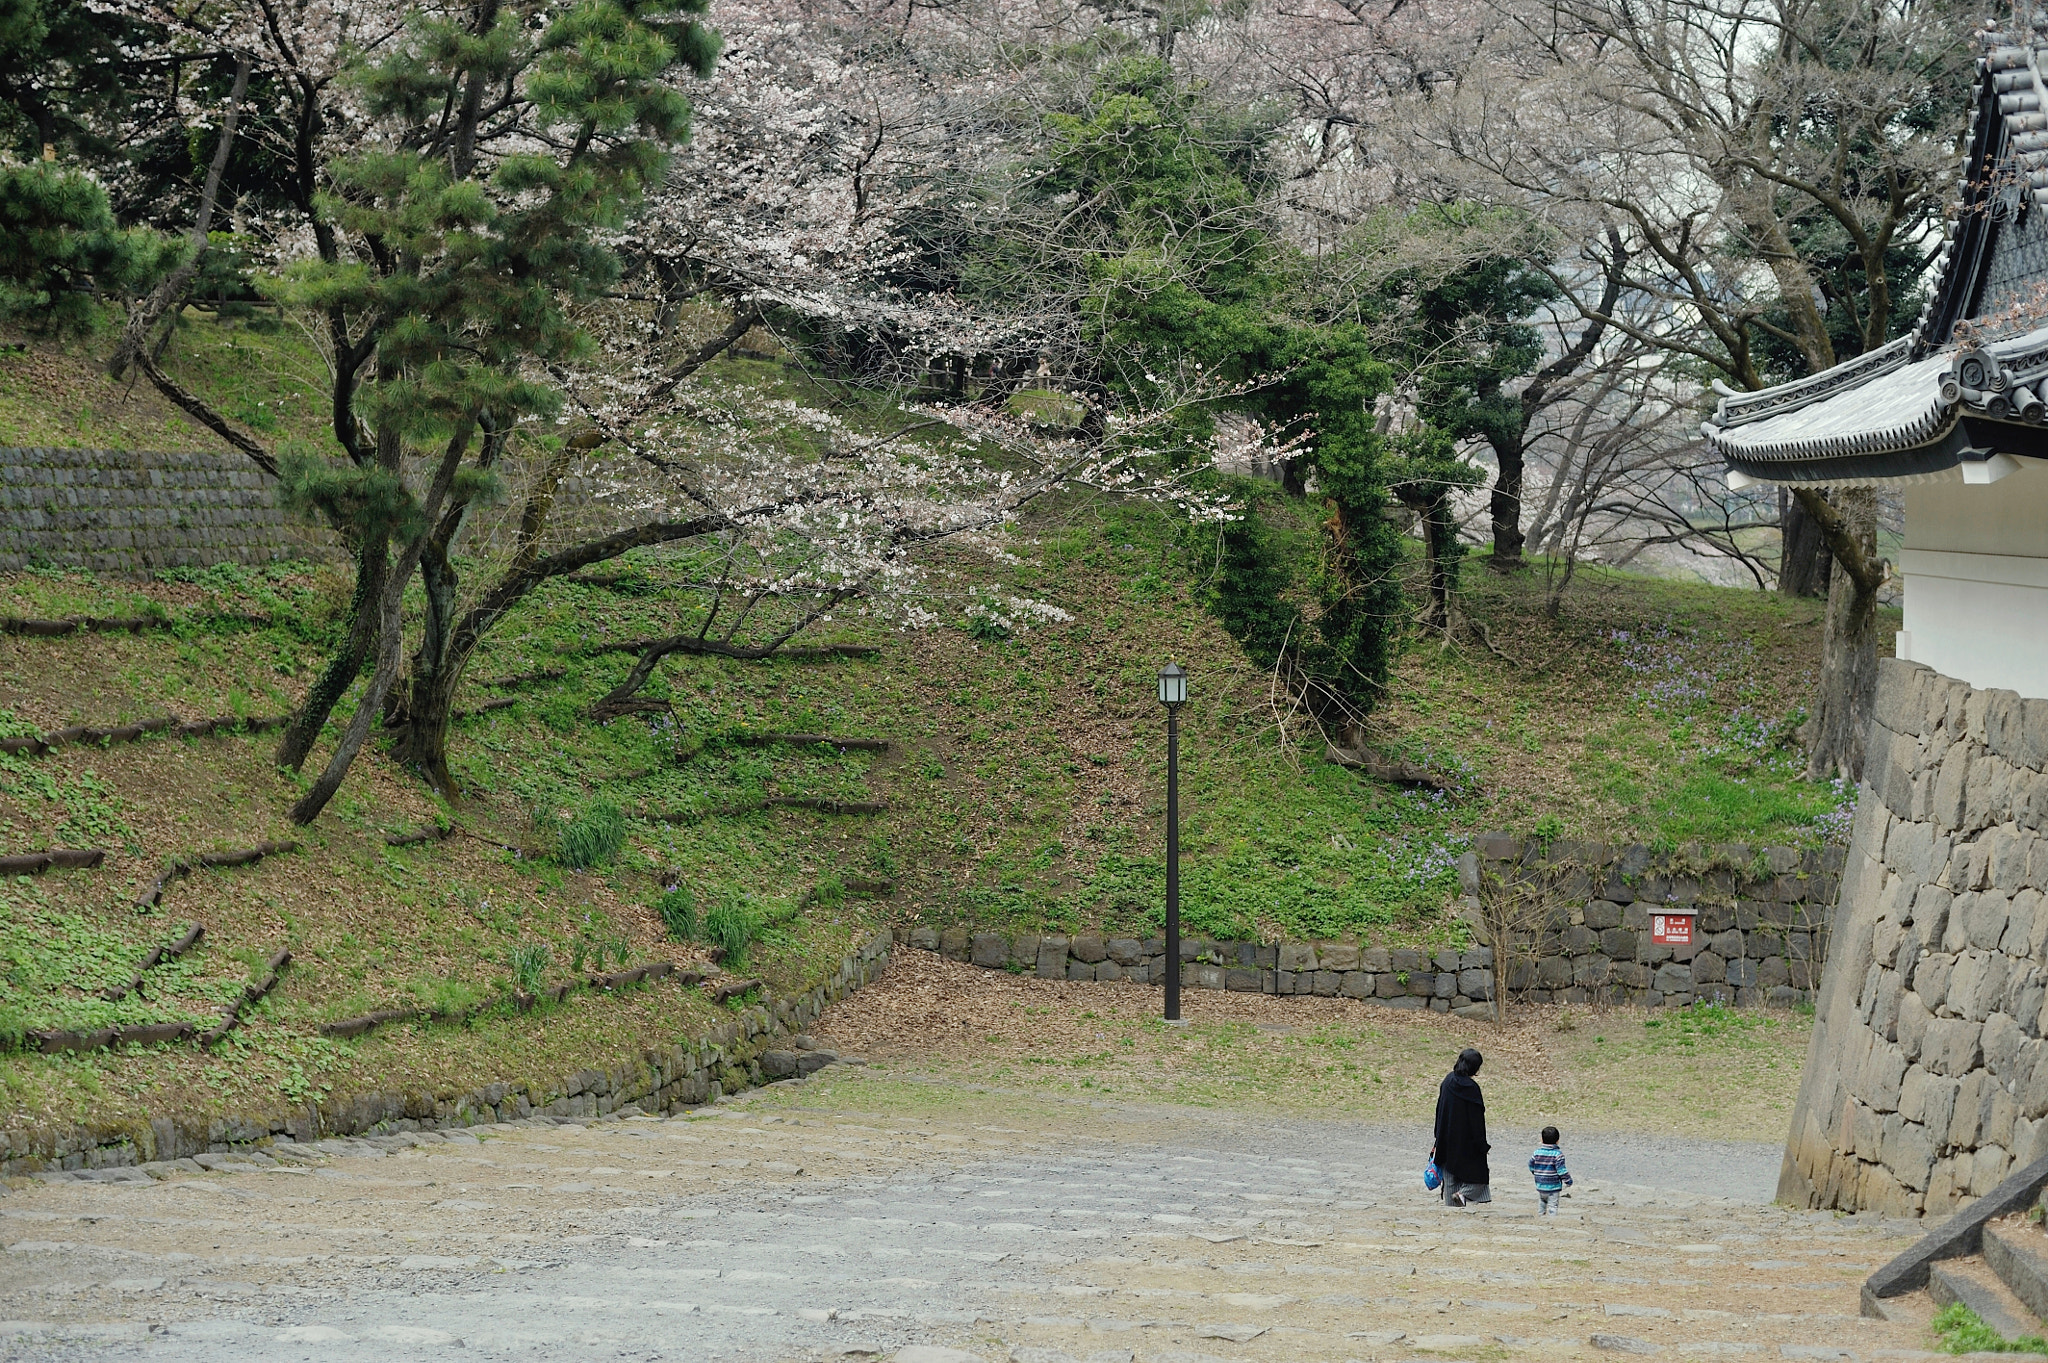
x=1461, y=1130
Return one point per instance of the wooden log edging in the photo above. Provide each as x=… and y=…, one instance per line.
x=658, y=1079
x=252, y=994
x=839, y=741
x=822, y=806
x=54, y=859
x=51, y=1042
x=653, y=970
x=114, y=993
x=128, y=624
x=36, y=745
x=179, y=869
x=432, y=832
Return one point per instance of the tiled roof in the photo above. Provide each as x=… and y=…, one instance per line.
x=1883, y=402
x=1909, y=394
x=1902, y=411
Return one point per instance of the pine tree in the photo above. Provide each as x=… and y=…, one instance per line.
x=515, y=136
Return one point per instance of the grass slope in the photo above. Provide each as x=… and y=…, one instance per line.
x=1025, y=782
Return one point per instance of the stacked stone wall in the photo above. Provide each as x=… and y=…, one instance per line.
x=1927, y=1076
x=1759, y=920
x=115, y=511
x=1760, y=935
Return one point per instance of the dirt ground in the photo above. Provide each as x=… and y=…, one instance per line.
x=1716, y=1074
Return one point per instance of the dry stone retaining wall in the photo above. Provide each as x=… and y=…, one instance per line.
x=741, y=1053
x=1759, y=920
x=115, y=511
x=1402, y=977
x=1760, y=934
x=1927, y=1076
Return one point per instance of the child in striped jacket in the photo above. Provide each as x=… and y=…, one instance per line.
x=1552, y=1178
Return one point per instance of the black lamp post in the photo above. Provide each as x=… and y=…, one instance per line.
x=1173, y=693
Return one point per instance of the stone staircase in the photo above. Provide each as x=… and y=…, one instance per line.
x=766, y=1230
x=2006, y=1282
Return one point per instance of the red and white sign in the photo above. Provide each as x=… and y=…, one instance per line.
x=1671, y=929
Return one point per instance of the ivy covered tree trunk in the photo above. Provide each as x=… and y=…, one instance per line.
x=1440, y=543
x=1345, y=668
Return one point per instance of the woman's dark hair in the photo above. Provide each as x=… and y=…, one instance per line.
x=1469, y=1062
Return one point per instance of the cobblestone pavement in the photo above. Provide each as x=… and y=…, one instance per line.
x=763, y=1229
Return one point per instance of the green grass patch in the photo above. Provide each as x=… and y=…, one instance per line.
x=1959, y=1330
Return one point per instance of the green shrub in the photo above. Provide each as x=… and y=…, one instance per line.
x=731, y=924
x=594, y=837
x=678, y=910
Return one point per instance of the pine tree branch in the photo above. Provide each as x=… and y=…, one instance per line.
x=203, y=414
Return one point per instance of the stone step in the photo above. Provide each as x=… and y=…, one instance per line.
x=2017, y=1252
x=1972, y=1282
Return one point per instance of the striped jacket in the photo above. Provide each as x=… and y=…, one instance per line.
x=1548, y=1166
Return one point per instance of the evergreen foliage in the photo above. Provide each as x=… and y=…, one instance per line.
x=60, y=249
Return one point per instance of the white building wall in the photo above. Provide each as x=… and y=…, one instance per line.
x=1976, y=577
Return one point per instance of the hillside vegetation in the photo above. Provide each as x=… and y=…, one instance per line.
x=1023, y=779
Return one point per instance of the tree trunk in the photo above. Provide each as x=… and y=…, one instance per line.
x=1848, y=672
x=429, y=709
x=346, y=664
x=423, y=707
x=1803, y=558
x=1506, y=507
x=390, y=619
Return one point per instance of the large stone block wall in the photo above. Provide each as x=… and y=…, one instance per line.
x=1760, y=935
x=1927, y=1076
x=116, y=511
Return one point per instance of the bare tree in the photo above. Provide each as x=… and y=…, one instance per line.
x=1775, y=167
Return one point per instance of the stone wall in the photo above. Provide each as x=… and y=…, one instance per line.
x=1927, y=1076
x=733, y=1056
x=113, y=511
x=1399, y=977
x=1759, y=930
x=1760, y=933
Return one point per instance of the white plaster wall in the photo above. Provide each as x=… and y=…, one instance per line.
x=1976, y=574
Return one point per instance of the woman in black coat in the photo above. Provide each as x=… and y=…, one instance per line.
x=1461, y=1134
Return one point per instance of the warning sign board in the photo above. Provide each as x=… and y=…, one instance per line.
x=1671, y=929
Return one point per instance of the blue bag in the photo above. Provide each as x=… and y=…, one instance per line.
x=1432, y=1177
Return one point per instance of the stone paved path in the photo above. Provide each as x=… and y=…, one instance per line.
x=759, y=1230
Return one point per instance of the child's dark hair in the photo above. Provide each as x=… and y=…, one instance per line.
x=1550, y=1135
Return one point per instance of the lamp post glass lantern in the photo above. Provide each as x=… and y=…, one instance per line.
x=1173, y=693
